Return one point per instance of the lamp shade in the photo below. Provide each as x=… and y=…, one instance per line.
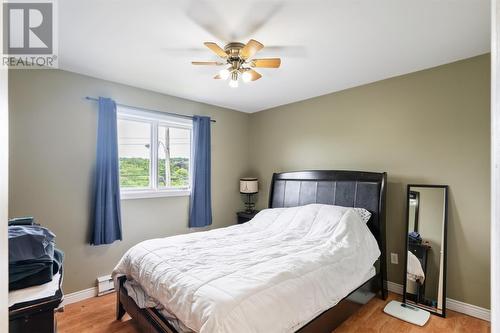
x=249, y=185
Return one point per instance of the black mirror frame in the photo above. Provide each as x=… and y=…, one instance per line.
x=445, y=244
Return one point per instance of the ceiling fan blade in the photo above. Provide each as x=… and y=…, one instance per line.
x=266, y=63
x=207, y=63
x=256, y=17
x=255, y=75
x=205, y=14
x=290, y=51
x=217, y=77
x=216, y=49
x=250, y=49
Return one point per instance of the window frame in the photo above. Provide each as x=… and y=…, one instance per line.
x=155, y=119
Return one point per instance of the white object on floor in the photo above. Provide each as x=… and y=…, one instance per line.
x=36, y=292
x=407, y=313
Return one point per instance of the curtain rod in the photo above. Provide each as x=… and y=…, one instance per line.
x=148, y=110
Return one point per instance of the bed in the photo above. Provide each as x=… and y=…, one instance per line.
x=303, y=193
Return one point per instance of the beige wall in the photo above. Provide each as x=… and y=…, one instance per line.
x=53, y=138
x=428, y=127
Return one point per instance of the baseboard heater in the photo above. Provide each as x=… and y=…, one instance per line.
x=105, y=285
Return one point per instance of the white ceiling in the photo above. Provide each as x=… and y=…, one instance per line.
x=325, y=46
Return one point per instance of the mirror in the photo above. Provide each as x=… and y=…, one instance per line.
x=425, y=274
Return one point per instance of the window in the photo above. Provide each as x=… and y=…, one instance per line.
x=134, y=139
x=155, y=154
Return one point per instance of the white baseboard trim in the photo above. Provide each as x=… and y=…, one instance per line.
x=78, y=296
x=451, y=304
x=468, y=309
x=395, y=287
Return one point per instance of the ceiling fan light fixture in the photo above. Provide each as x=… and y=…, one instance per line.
x=224, y=73
x=246, y=77
x=240, y=59
x=233, y=83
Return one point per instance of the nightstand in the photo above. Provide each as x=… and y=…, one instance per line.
x=245, y=216
x=36, y=315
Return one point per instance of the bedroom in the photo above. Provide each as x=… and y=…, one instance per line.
x=399, y=89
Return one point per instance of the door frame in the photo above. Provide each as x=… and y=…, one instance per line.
x=4, y=190
x=495, y=166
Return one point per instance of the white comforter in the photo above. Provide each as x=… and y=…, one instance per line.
x=272, y=274
x=414, y=271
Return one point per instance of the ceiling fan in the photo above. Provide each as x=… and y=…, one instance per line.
x=239, y=60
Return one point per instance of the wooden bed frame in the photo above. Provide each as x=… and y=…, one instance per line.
x=344, y=188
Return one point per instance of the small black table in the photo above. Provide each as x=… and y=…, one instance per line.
x=246, y=216
x=36, y=316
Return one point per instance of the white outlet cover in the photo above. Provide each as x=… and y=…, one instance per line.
x=394, y=258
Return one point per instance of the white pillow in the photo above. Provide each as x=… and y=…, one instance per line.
x=363, y=213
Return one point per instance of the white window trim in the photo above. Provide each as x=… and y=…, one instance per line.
x=144, y=194
x=155, y=120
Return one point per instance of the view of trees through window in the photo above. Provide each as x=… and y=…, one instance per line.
x=172, y=158
x=134, y=138
x=179, y=174
x=173, y=150
x=134, y=172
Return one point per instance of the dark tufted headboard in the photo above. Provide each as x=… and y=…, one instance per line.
x=343, y=188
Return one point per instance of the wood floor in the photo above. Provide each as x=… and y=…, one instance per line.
x=97, y=315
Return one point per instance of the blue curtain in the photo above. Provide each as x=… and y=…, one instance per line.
x=200, y=208
x=106, y=216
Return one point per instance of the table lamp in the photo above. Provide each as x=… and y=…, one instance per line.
x=249, y=186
